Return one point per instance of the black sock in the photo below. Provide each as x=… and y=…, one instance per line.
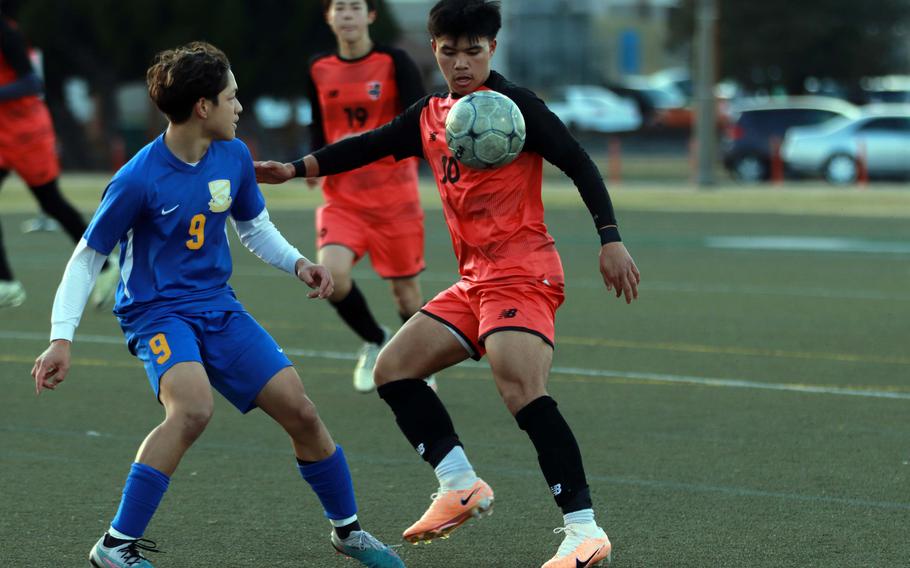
x=422, y=417
x=111, y=542
x=557, y=453
x=345, y=531
x=6, y=273
x=55, y=205
x=354, y=311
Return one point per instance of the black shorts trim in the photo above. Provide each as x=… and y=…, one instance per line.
x=476, y=352
x=546, y=339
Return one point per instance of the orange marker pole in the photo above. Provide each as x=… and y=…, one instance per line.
x=777, y=162
x=614, y=150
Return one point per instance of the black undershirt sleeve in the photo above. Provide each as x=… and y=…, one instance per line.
x=14, y=52
x=317, y=134
x=399, y=138
x=12, y=44
x=550, y=138
x=407, y=77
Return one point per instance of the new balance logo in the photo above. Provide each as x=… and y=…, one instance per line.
x=508, y=314
x=433, y=136
x=421, y=449
x=556, y=489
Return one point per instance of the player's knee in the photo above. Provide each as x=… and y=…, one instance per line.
x=306, y=415
x=386, y=369
x=516, y=394
x=194, y=420
x=407, y=296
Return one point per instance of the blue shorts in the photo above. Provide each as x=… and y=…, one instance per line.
x=239, y=356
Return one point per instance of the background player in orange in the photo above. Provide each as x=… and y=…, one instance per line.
x=28, y=147
x=510, y=288
x=374, y=209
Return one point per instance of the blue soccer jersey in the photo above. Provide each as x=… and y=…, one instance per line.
x=169, y=218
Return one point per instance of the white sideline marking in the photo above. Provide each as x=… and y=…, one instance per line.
x=812, y=244
x=649, y=285
x=576, y=371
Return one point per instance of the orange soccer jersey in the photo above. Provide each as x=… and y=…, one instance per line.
x=495, y=217
x=354, y=96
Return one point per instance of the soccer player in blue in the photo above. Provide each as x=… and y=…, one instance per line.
x=167, y=208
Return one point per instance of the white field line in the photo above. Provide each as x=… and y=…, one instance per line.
x=558, y=370
x=655, y=286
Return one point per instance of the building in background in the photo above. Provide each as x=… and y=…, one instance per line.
x=553, y=42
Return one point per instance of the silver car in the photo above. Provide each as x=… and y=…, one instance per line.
x=595, y=109
x=839, y=149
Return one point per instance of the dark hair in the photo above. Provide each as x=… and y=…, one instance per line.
x=326, y=4
x=181, y=76
x=471, y=19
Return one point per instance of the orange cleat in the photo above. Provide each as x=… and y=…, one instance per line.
x=450, y=510
x=585, y=546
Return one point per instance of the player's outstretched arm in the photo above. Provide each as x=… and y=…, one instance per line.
x=279, y=172
x=51, y=367
x=317, y=277
x=619, y=271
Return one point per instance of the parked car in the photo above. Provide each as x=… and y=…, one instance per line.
x=879, y=141
x=756, y=127
x=658, y=103
x=887, y=89
x=596, y=109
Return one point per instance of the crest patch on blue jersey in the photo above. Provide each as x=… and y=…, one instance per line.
x=221, y=195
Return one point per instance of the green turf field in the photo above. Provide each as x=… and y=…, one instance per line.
x=750, y=410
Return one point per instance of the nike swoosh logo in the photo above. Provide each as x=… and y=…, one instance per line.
x=280, y=350
x=468, y=498
x=171, y=210
x=580, y=564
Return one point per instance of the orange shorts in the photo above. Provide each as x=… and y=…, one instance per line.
x=475, y=311
x=395, y=248
x=30, y=150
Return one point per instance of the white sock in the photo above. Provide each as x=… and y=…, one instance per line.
x=343, y=522
x=454, y=471
x=581, y=517
x=117, y=534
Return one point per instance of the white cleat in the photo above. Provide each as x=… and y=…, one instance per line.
x=12, y=294
x=585, y=546
x=366, y=361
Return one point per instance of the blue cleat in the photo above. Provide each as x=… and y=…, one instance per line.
x=364, y=547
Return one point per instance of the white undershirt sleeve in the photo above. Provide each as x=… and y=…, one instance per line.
x=73, y=292
x=264, y=240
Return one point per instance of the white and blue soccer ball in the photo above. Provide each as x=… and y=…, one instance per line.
x=485, y=130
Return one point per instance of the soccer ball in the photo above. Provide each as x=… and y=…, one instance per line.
x=485, y=130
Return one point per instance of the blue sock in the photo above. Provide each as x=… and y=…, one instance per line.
x=144, y=488
x=331, y=481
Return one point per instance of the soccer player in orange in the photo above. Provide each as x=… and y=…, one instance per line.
x=511, y=282
x=27, y=146
x=374, y=209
